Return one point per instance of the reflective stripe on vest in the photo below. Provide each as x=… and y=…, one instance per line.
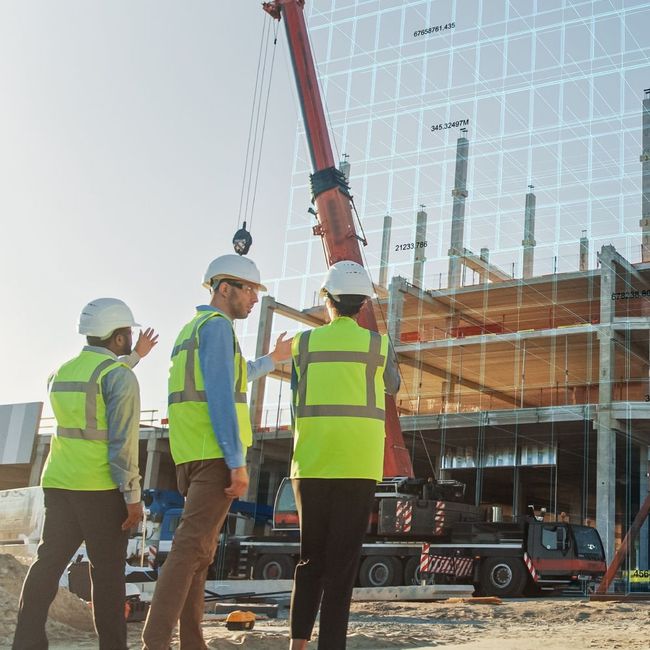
x=191, y=431
x=373, y=360
x=190, y=392
x=79, y=454
x=92, y=389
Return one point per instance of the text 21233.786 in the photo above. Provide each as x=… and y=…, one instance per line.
x=410, y=246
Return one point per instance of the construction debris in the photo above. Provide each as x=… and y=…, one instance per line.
x=69, y=618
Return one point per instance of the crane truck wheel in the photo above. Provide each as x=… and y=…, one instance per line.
x=273, y=567
x=505, y=576
x=380, y=571
x=412, y=571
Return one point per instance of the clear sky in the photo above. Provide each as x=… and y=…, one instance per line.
x=123, y=131
x=124, y=127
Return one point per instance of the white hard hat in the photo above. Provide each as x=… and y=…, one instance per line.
x=234, y=267
x=103, y=316
x=347, y=278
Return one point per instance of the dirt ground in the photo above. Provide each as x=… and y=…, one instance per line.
x=529, y=624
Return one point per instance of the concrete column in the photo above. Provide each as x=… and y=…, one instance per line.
x=40, y=454
x=643, y=561
x=529, y=234
x=385, y=251
x=483, y=276
x=156, y=447
x=262, y=347
x=254, y=458
x=517, y=506
x=418, y=253
x=395, y=309
x=584, y=252
x=604, y=422
x=645, y=180
x=459, y=193
x=254, y=461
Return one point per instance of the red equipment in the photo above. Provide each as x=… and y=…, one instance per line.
x=331, y=196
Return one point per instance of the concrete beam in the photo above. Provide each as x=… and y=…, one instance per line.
x=476, y=263
x=486, y=339
x=501, y=418
x=450, y=376
x=612, y=256
x=315, y=316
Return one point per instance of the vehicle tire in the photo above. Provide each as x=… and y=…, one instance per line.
x=412, y=571
x=273, y=567
x=503, y=576
x=380, y=571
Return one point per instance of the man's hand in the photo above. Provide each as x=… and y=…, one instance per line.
x=282, y=350
x=238, y=483
x=146, y=341
x=133, y=515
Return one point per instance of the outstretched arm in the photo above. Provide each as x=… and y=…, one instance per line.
x=144, y=344
x=281, y=353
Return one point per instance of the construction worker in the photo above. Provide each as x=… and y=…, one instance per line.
x=209, y=432
x=340, y=373
x=91, y=481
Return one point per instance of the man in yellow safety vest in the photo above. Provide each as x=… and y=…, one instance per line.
x=91, y=480
x=209, y=433
x=340, y=374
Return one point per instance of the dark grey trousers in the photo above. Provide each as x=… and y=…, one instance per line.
x=73, y=517
x=333, y=520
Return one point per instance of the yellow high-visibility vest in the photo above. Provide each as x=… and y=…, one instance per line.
x=191, y=434
x=78, y=458
x=339, y=402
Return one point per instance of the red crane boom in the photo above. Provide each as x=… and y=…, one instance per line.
x=331, y=196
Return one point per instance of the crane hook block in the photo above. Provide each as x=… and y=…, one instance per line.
x=242, y=241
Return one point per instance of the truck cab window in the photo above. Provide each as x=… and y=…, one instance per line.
x=554, y=538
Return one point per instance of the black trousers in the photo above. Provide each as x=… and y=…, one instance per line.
x=72, y=517
x=333, y=520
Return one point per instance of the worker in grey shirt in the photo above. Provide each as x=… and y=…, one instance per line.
x=90, y=480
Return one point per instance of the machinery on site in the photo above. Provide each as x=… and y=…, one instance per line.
x=416, y=534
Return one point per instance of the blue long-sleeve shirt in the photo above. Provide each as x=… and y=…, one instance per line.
x=217, y=360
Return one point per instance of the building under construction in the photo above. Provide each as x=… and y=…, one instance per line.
x=531, y=390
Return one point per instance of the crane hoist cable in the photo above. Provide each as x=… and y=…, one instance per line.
x=242, y=239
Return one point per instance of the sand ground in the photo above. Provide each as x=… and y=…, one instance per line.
x=527, y=624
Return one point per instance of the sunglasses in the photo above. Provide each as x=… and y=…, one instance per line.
x=250, y=290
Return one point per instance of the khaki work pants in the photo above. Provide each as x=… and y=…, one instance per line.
x=179, y=593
